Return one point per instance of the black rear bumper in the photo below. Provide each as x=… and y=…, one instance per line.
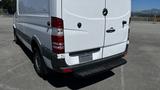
x=105, y=65
x=96, y=66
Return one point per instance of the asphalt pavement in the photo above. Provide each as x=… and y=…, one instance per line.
x=142, y=72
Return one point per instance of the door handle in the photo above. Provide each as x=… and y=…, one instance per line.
x=48, y=23
x=111, y=30
x=124, y=23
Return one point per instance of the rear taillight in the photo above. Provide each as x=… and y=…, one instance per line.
x=57, y=22
x=57, y=35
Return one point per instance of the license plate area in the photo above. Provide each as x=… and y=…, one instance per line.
x=85, y=57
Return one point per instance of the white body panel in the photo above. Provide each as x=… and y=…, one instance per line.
x=33, y=15
x=93, y=33
x=118, y=11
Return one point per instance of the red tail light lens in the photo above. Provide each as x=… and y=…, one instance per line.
x=58, y=44
x=58, y=39
x=57, y=22
x=58, y=35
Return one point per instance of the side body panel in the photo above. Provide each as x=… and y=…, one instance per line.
x=31, y=21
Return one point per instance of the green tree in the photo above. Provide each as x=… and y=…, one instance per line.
x=9, y=5
x=0, y=4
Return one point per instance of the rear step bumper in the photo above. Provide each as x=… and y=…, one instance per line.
x=97, y=66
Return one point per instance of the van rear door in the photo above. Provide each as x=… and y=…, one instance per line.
x=84, y=24
x=117, y=25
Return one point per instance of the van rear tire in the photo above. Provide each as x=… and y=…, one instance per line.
x=39, y=64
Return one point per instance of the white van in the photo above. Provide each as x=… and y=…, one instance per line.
x=74, y=36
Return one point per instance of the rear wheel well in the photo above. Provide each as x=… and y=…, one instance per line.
x=34, y=45
x=38, y=60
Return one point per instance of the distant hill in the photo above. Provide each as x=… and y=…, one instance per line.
x=147, y=13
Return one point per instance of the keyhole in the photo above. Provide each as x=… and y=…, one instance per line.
x=105, y=12
x=79, y=25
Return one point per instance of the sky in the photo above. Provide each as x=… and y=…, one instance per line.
x=145, y=4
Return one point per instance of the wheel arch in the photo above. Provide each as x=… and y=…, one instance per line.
x=14, y=26
x=36, y=42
